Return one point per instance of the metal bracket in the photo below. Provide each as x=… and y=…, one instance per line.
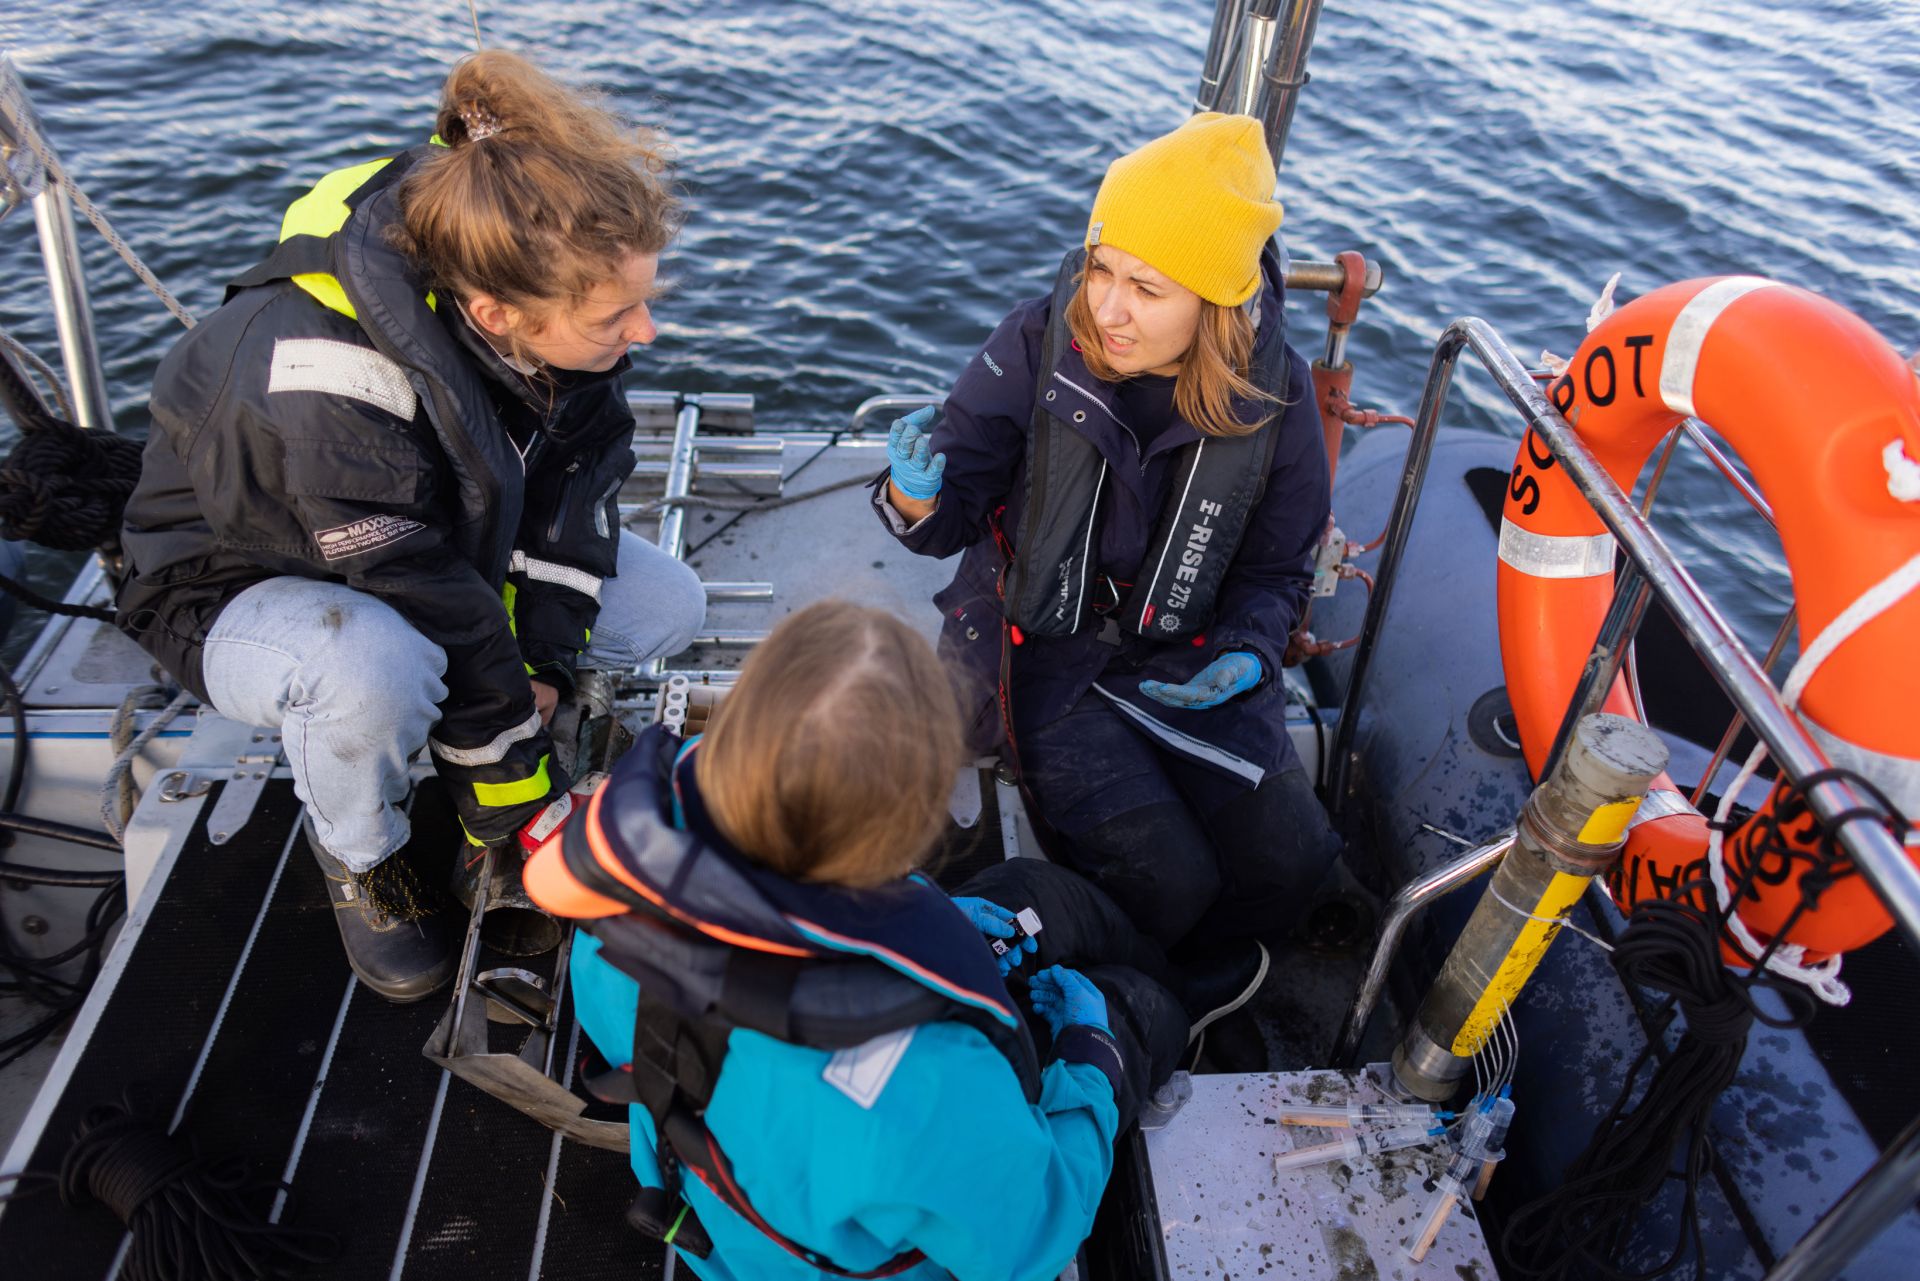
x=248, y=779
x=180, y=785
x=522, y=1080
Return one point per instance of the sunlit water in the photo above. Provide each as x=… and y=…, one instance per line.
x=874, y=183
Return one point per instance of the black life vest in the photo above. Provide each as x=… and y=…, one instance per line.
x=717, y=942
x=1218, y=482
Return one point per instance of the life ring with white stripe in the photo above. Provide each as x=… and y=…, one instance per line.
x=1818, y=406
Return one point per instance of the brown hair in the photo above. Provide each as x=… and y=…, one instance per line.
x=1213, y=373
x=544, y=207
x=833, y=758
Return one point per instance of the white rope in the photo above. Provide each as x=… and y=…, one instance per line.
x=123, y=763
x=13, y=105
x=41, y=367
x=1567, y=920
x=1903, y=473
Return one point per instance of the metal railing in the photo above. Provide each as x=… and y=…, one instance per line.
x=1888, y=1188
x=1256, y=63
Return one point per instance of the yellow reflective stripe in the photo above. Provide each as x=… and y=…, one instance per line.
x=508, y=593
x=321, y=212
x=471, y=838
x=527, y=789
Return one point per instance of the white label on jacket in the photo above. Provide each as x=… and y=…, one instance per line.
x=861, y=1072
x=364, y=535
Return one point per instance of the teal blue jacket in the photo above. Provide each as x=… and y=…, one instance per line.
x=921, y=1139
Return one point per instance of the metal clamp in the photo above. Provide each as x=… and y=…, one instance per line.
x=251, y=772
x=179, y=785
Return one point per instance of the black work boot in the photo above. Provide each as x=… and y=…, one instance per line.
x=392, y=921
x=1220, y=981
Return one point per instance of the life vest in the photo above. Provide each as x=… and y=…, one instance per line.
x=717, y=942
x=1814, y=402
x=1220, y=480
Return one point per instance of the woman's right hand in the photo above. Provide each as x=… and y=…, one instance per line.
x=1067, y=998
x=916, y=469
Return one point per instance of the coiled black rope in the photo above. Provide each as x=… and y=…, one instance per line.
x=1673, y=945
x=192, y=1217
x=61, y=486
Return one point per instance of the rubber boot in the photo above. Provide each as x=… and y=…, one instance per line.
x=393, y=922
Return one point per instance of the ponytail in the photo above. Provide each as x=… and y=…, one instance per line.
x=540, y=193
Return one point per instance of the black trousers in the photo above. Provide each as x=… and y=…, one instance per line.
x=1183, y=850
x=1084, y=929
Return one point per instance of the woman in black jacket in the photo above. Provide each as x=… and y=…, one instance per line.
x=1135, y=471
x=379, y=505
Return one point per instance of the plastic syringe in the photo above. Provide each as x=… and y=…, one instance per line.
x=1358, y=1114
x=1478, y=1146
x=1358, y=1144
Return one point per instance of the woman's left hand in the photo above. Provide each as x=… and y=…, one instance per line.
x=1212, y=685
x=545, y=699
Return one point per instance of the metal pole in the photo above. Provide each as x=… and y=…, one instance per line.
x=1610, y=646
x=1258, y=30
x=1226, y=27
x=1433, y=399
x=1885, y=1192
x=1286, y=74
x=72, y=315
x=1877, y=855
x=1408, y=903
x=673, y=521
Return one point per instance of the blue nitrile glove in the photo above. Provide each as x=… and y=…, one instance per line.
x=916, y=468
x=1212, y=685
x=996, y=922
x=1064, y=998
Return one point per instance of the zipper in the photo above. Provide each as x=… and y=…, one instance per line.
x=600, y=523
x=560, y=507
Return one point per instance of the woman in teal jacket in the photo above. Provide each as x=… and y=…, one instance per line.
x=847, y=1083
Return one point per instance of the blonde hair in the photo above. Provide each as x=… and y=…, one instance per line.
x=540, y=194
x=1213, y=373
x=833, y=758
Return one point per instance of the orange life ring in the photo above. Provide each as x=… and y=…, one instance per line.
x=1812, y=399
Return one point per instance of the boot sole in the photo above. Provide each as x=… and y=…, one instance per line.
x=1246, y=994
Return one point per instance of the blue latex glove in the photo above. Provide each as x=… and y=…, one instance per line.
x=996, y=922
x=1065, y=998
x=916, y=468
x=1212, y=685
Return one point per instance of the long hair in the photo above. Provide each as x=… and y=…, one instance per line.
x=833, y=757
x=540, y=194
x=1213, y=373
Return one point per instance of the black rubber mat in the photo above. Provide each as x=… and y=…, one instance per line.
x=1871, y=1056
x=153, y=1027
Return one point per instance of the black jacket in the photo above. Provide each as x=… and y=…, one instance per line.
x=388, y=448
x=982, y=429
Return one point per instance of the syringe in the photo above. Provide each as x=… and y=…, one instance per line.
x=1358, y=1114
x=1357, y=1144
x=1478, y=1146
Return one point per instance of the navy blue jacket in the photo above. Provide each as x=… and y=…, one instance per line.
x=983, y=432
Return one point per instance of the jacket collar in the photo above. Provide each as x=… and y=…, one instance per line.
x=698, y=877
x=1077, y=391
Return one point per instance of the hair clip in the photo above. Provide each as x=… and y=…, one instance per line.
x=480, y=124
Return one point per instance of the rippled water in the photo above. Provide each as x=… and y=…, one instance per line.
x=873, y=183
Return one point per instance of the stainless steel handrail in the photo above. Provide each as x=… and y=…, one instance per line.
x=1877, y=1198
x=1414, y=896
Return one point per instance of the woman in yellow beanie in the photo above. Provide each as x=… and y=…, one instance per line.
x=1135, y=471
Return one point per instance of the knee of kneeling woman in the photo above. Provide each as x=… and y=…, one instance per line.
x=381, y=665
x=682, y=606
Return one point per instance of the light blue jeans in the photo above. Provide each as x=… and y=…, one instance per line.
x=354, y=689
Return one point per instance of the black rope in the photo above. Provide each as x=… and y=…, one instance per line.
x=192, y=1217
x=1673, y=946
x=61, y=486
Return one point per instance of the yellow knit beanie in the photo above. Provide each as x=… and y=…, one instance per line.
x=1196, y=204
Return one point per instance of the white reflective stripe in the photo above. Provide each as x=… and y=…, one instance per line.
x=1682, y=360
x=1897, y=776
x=546, y=571
x=1661, y=802
x=1555, y=556
x=1185, y=744
x=341, y=369
x=1161, y=564
x=487, y=753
